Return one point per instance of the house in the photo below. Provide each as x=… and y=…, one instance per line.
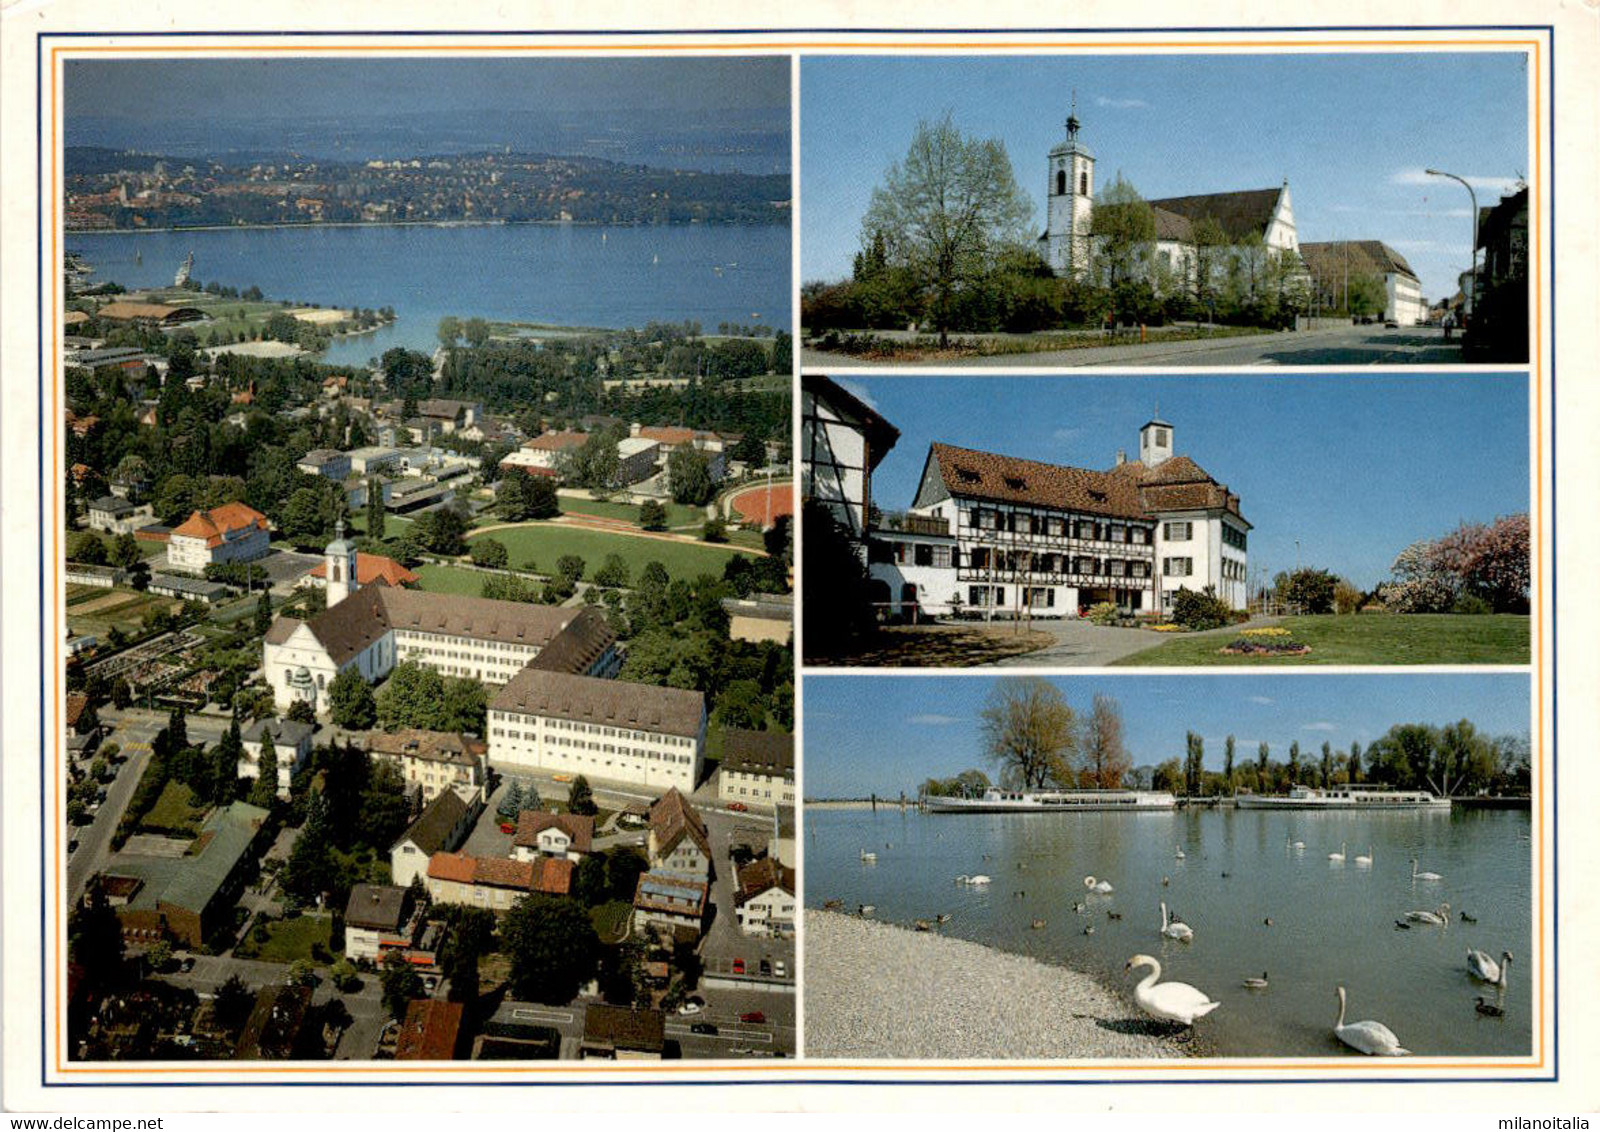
x=1002, y=536
x=446, y=416
x=556, y=721
x=661, y=900
x=546, y=449
x=678, y=843
x=842, y=441
x=371, y=570
x=495, y=883
x=432, y=1031
x=327, y=463
x=619, y=1033
x=188, y=899
x=670, y=438
x=117, y=516
x=760, y=617
x=291, y=746
x=529, y=463
x=375, y=918
x=757, y=768
x=373, y=458
x=189, y=589
x=543, y=834
x=1333, y=264
x=443, y=825
x=764, y=905
x=434, y=761
x=230, y=533
x=638, y=457
x=100, y=577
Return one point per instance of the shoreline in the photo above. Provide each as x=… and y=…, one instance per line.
x=879, y=990
x=66, y=231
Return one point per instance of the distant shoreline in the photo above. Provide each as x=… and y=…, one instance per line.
x=317, y=224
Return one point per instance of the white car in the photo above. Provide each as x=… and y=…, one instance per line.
x=692, y=1006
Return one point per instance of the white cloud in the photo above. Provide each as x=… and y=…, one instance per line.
x=932, y=720
x=1120, y=103
x=1066, y=433
x=1320, y=725
x=1261, y=699
x=859, y=391
x=1478, y=181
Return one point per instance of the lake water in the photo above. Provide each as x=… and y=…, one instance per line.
x=565, y=275
x=1331, y=923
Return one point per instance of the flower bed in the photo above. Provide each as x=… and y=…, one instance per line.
x=1166, y=627
x=1265, y=646
x=1268, y=631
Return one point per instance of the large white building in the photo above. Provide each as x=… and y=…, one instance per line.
x=1243, y=216
x=230, y=533
x=1332, y=265
x=841, y=441
x=1001, y=536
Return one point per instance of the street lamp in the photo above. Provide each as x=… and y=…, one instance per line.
x=1472, y=299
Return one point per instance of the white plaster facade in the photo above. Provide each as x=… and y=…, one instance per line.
x=522, y=742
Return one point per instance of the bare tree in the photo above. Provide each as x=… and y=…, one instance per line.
x=1105, y=754
x=946, y=211
x=1030, y=732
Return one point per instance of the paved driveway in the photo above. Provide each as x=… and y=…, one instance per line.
x=1082, y=644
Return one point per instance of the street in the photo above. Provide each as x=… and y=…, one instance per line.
x=1337, y=346
x=132, y=731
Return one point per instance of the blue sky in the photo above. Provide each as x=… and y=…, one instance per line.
x=886, y=733
x=1352, y=134
x=1357, y=467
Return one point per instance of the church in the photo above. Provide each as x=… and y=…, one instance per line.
x=1067, y=243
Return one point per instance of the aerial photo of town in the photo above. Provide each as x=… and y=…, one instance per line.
x=427, y=561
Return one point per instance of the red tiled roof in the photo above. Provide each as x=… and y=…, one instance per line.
x=672, y=818
x=430, y=1031
x=531, y=823
x=557, y=441
x=553, y=876
x=498, y=872
x=78, y=701
x=667, y=434
x=456, y=867
x=375, y=569
x=213, y=525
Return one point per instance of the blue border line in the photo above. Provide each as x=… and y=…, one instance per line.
x=44, y=1082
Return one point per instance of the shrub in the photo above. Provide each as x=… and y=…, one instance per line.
x=1103, y=613
x=1199, y=610
x=1346, y=598
x=1471, y=604
x=1311, y=589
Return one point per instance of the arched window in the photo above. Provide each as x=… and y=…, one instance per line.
x=1061, y=182
x=1083, y=184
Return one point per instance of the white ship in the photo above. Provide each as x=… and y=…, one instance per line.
x=1051, y=801
x=184, y=269
x=1353, y=797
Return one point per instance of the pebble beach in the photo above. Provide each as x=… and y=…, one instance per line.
x=875, y=990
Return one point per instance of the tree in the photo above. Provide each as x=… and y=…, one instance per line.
x=471, y=934
x=440, y=531
x=1354, y=763
x=570, y=567
x=553, y=948
x=476, y=331
x=1311, y=589
x=91, y=549
x=376, y=517
x=125, y=551
x=689, y=476
x=400, y=983
x=613, y=572
x=232, y=1004
x=510, y=802
x=1227, y=761
x=449, y=331
x=301, y=711
x=311, y=871
x=1123, y=232
x=225, y=765
x=1105, y=754
x=490, y=552
x=945, y=211
x=512, y=499
x=1365, y=294
x=652, y=516
x=263, y=615
x=543, y=503
x=305, y=518
x=1294, y=763
x=1193, y=763
x=95, y=940
x=351, y=704
x=1327, y=765
x=264, y=791
x=715, y=529
x=1263, y=758
x=1029, y=732
x=121, y=694
x=580, y=798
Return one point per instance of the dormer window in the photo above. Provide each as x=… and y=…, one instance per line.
x=967, y=475
x=1016, y=483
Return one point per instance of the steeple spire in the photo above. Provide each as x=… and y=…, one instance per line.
x=1072, y=119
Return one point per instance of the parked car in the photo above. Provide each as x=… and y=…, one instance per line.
x=738, y=807
x=692, y=1006
x=753, y=1016
x=766, y=967
x=507, y=827
x=703, y=1028
x=779, y=969
x=1391, y=324
x=738, y=966
x=562, y=777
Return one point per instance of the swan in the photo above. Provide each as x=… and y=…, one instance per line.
x=868, y=858
x=1180, y=853
x=1339, y=856
x=1256, y=984
x=1037, y=924
x=1088, y=929
x=1175, y=929
x=1488, y=1009
x=979, y=879
x=1170, y=1002
x=1440, y=915
x=1101, y=886
x=1291, y=844
x=1486, y=970
x=1367, y=1037
x=1367, y=860
x=1079, y=907
x=942, y=918
x=1422, y=876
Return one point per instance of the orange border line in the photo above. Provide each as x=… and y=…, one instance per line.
x=711, y=1070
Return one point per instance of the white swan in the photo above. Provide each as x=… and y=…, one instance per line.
x=1440, y=915
x=981, y=878
x=1181, y=854
x=1372, y=1038
x=1422, y=876
x=1366, y=860
x=1486, y=970
x=1170, y=1002
x=1175, y=929
x=1101, y=886
x=1290, y=844
x=1256, y=984
x=1339, y=856
x=868, y=858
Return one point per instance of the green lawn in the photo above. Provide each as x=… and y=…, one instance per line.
x=611, y=920
x=288, y=940
x=452, y=580
x=678, y=515
x=175, y=812
x=1369, y=638
x=545, y=543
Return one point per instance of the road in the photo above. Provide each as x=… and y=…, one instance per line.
x=132, y=732
x=1082, y=644
x=1339, y=346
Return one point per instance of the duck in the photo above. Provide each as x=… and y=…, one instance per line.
x=1110, y=915
x=1267, y=923
x=1180, y=853
x=1170, y=1002
x=1079, y=907
x=1486, y=970
x=1175, y=929
x=1467, y=917
x=1367, y=859
x=923, y=925
x=942, y=918
x=1088, y=929
x=1372, y=1038
x=1101, y=886
x=866, y=909
x=1488, y=1009
x=1256, y=984
x=1440, y=915
x=1422, y=876
x=1401, y=926
x=1165, y=881
x=832, y=905
x=1339, y=856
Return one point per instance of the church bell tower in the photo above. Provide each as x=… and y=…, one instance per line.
x=1071, y=197
x=339, y=560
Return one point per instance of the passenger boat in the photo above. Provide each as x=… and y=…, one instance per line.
x=1352, y=797
x=1051, y=801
